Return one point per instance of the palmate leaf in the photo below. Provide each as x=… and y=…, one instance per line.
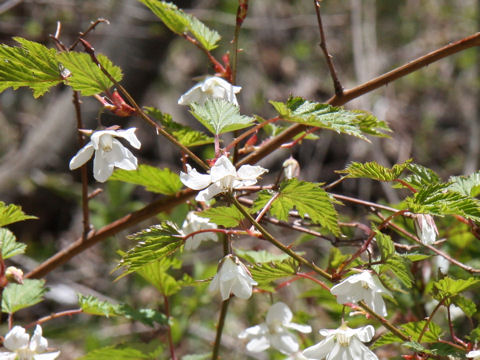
x=86, y=76
x=413, y=330
x=19, y=296
x=184, y=134
x=307, y=198
x=12, y=213
x=228, y=216
x=466, y=185
x=179, y=22
x=93, y=306
x=31, y=64
x=220, y=116
x=374, y=171
x=9, y=245
x=160, y=181
x=400, y=266
x=439, y=200
x=154, y=243
x=421, y=176
x=156, y=273
x=385, y=245
x=267, y=272
x=467, y=305
x=118, y=353
x=448, y=287
x=355, y=123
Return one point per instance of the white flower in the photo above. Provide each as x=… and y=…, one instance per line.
x=474, y=354
x=343, y=344
x=22, y=348
x=232, y=278
x=223, y=177
x=362, y=286
x=297, y=356
x=291, y=168
x=426, y=229
x=212, y=87
x=194, y=223
x=109, y=153
x=274, y=331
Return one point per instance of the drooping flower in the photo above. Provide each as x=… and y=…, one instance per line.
x=475, y=355
x=109, y=153
x=343, y=343
x=23, y=348
x=363, y=286
x=426, y=229
x=212, y=87
x=194, y=223
x=223, y=177
x=274, y=331
x=291, y=168
x=232, y=278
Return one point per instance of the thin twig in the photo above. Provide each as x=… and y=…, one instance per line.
x=221, y=323
x=287, y=135
x=93, y=25
x=171, y=346
x=54, y=316
x=323, y=45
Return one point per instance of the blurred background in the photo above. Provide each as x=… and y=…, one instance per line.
x=434, y=114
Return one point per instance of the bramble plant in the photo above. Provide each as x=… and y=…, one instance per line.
x=375, y=294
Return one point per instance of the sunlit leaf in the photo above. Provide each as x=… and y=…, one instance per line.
x=156, y=273
x=448, y=287
x=9, y=245
x=260, y=256
x=19, y=296
x=413, y=330
x=466, y=185
x=374, y=171
x=12, y=213
x=228, y=216
x=268, y=272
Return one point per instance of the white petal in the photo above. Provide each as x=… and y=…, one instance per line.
x=306, y=329
x=130, y=136
x=226, y=288
x=254, y=331
x=46, y=356
x=365, y=334
x=101, y=136
x=209, y=193
x=475, y=354
x=8, y=356
x=194, y=95
x=360, y=351
x=192, y=243
x=284, y=342
x=102, y=169
x=223, y=168
x=279, y=312
x=38, y=343
x=378, y=305
x=214, y=284
x=194, y=180
x=249, y=172
x=82, y=156
x=258, y=344
x=242, y=288
x=339, y=352
x=121, y=157
x=16, y=338
x=320, y=350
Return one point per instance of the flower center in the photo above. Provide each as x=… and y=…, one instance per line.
x=25, y=354
x=365, y=285
x=106, y=142
x=343, y=339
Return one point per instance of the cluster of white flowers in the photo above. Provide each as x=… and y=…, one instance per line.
x=21, y=347
x=223, y=178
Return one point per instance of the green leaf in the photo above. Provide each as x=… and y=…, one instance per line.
x=268, y=272
x=309, y=199
x=91, y=305
x=228, y=216
x=154, y=243
x=374, y=171
x=156, y=274
x=467, y=305
x=117, y=353
x=220, y=116
x=355, y=123
x=31, y=64
x=400, y=266
x=9, y=245
x=414, y=257
x=160, y=181
x=260, y=256
x=335, y=258
x=19, y=296
x=385, y=245
x=12, y=213
x=184, y=134
x=413, y=330
x=179, y=22
x=421, y=176
x=448, y=287
x=466, y=185
x=439, y=200
x=86, y=76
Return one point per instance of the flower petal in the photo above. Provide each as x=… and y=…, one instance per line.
x=254, y=331
x=46, y=356
x=38, y=343
x=320, y=350
x=209, y=193
x=258, y=344
x=16, y=338
x=223, y=168
x=365, y=334
x=284, y=342
x=249, y=172
x=8, y=356
x=102, y=169
x=82, y=156
x=279, y=313
x=194, y=180
x=194, y=95
x=130, y=136
x=306, y=329
x=121, y=157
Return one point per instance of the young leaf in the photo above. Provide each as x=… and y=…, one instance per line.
x=439, y=200
x=260, y=256
x=146, y=316
x=12, y=213
x=308, y=198
x=413, y=330
x=91, y=305
x=421, y=176
x=31, y=64
x=86, y=76
x=228, y=216
x=9, y=245
x=156, y=274
x=117, y=353
x=385, y=245
x=355, y=123
x=335, y=258
x=466, y=185
x=153, y=179
x=16, y=297
x=268, y=272
x=400, y=266
x=374, y=171
x=154, y=243
x=179, y=22
x=448, y=287
x=220, y=116
x=184, y=134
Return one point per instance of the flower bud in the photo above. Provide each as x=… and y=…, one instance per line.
x=14, y=275
x=291, y=168
x=426, y=229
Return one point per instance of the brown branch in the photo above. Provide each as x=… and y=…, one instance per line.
x=123, y=223
x=323, y=45
x=287, y=135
